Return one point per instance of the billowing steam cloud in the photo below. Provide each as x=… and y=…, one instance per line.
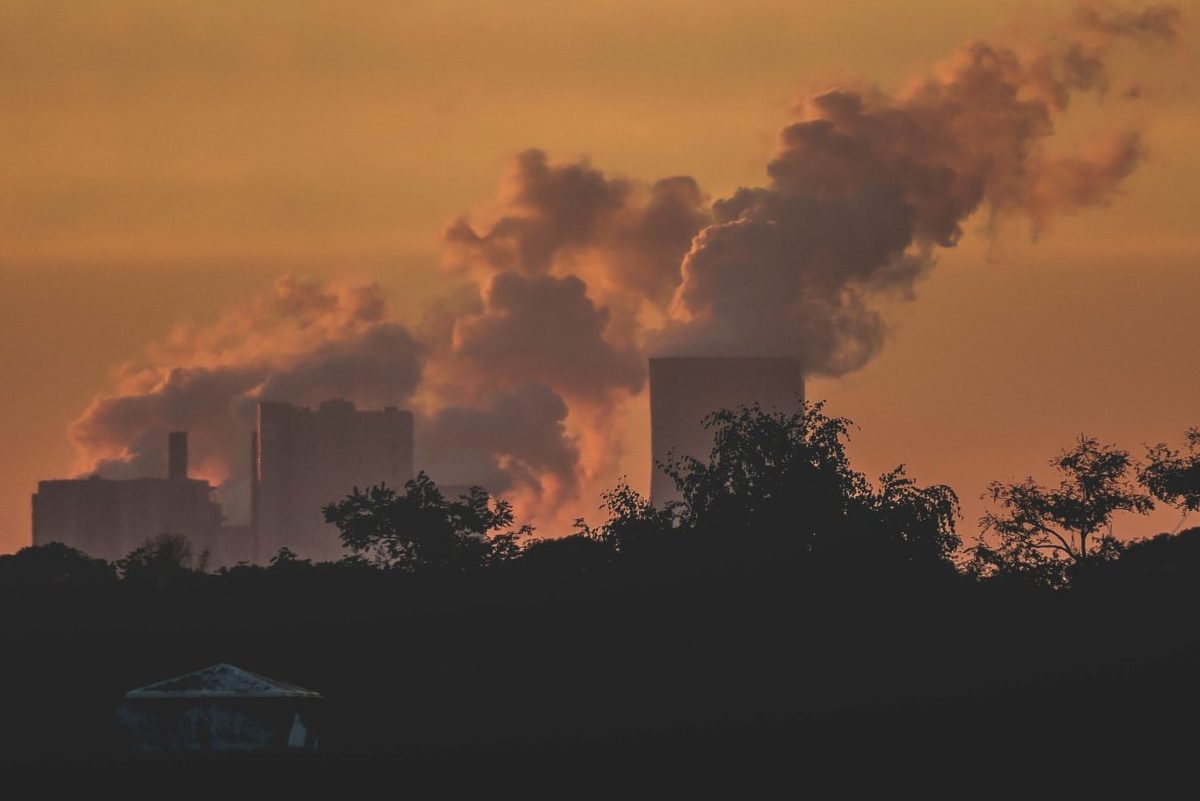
x=622, y=236
x=305, y=343
x=515, y=441
x=519, y=382
x=866, y=186
x=566, y=275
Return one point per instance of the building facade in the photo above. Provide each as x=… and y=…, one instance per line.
x=305, y=459
x=108, y=518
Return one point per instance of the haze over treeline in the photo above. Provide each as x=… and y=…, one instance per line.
x=572, y=274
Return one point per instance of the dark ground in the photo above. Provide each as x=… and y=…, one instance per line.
x=747, y=675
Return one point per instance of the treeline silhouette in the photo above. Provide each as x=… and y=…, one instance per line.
x=785, y=605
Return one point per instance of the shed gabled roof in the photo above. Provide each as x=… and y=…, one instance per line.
x=221, y=681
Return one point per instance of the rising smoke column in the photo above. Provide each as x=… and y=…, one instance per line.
x=576, y=275
x=583, y=274
x=867, y=185
x=566, y=274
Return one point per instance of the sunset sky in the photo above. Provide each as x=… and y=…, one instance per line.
x=164, y=164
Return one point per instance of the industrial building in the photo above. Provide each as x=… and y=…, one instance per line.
x=304, y=460
x=108, y=518
x=684, y=390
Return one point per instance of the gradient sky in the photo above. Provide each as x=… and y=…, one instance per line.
x=161, y=160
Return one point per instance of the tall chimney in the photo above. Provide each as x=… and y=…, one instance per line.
x=177, y=455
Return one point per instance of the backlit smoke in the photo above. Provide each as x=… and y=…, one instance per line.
x=305, y=343
x=572, y=277
x=867, y=185
x=567, y=276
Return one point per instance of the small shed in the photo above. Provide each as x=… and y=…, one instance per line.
x=220, y=708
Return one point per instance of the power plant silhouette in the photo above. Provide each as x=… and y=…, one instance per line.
x=108, y=518
x=303, y=459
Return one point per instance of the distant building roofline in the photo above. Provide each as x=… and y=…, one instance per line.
x=788, y=359
x=99, y=479
x=330, y=406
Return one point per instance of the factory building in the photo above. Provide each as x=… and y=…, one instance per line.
x=305, y=459
x=684, y=390
x=108, y=518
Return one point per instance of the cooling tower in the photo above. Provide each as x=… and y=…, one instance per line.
x=684, y=390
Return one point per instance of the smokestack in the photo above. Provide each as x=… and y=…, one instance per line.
x=683, y=391
x=177, y=455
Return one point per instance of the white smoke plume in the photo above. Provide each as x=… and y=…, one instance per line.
x=867, y=185
x=575, y=276
x=305, y=343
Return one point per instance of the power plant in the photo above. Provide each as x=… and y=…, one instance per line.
x=301, y=460
x=305, y=459
x=685, y=390
x=108, y=518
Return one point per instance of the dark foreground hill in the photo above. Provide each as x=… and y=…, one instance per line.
x=740, y=672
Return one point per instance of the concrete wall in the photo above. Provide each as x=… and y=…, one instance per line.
x=684, y=390
x=306, y=459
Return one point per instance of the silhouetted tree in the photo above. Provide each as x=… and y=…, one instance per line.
x=1163, y=563
x=286, y=559
x=1043, y=532
x=632, y=521
x=1173, y=476
x=575, y=553
x=785, y=479
x=53, y=564
x=420, y=529
x=918, y=521
x=162, y=560
x=769, y=474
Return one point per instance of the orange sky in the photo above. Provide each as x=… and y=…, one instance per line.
x=163, y=160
